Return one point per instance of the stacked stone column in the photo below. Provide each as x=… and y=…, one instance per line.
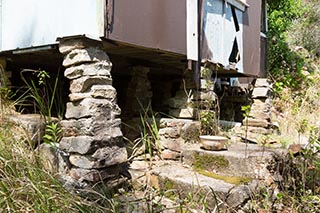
x=182, y=104
x=91, y=131
x=139, y=93
x=259, y=119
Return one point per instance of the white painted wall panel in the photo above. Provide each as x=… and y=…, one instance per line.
x=192, y=30
x=27, y=23
x=219, y=32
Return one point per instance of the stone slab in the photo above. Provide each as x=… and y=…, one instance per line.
x=256, y=122
x=87, y=55
x=94, y=175
x=263, y=82
x=79, y=144
x=261, y=92
x=89, y=162
x=67, y=45
x=90, y=127
x=83, y=84
x=186, y=181
x=170, y=155
x=183, y=113
x=101, y=68
x=90, y=107
x=240, y=159
x=170, y=132
x=96, y=91
x=172, y=144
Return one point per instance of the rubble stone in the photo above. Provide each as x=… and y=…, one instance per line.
x=238, y=195
x=87, y=126
x=83, y=84
x=170, y=132
x=172, y=144
x=91, y=132
x=52, y=159
x=79, y=144
x=102, y=68
x=261, y=92
x=170, y=155
x=190, y=131
x=88, y=162
x=81, y=56
x=262, y=82
x=188, y=112
x=90, y=107
x=67, y=45
x=256, y=122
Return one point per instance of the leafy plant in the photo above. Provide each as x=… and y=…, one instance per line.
x=284, y=64
x=44, y=94
x=53, y=133
x=209, y=114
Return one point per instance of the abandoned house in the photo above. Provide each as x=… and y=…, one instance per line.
x=116, y=59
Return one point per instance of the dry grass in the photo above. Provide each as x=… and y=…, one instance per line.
x=299, y=111
x=24, y=185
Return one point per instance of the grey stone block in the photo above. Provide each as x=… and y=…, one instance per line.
x=101, y=68
x=83, y=84
x=80, y=56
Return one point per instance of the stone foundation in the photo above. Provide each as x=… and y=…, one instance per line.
x=174, y=133
x=259, y=121
x=92, y=137
x=182, y=104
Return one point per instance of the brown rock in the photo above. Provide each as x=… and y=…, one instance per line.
x=190, y=131
x=101, y=68
x=170, y=155
x=256, y=122
x=172, y=144
x=295, y=148
x=52, y=159
x=170, y=132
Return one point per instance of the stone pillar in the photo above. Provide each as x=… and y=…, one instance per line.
x=91, y=130
x=4, y=74
x=139, y=93
x=182, y=105
x=259, y=119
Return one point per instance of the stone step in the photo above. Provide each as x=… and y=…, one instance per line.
x=240, y=159
x=181, y=182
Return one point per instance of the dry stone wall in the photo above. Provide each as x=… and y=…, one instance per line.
x=174, y=133
x=259, y=121
x=92, y=137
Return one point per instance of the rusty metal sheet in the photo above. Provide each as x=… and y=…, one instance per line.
x=157, y=24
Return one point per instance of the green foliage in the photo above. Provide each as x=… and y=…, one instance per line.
x=44, y=94
x=306, y=32
x=53, y=133
x=208, y=121
x=284, y=65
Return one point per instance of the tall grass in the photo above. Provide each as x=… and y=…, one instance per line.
x=24, y=184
